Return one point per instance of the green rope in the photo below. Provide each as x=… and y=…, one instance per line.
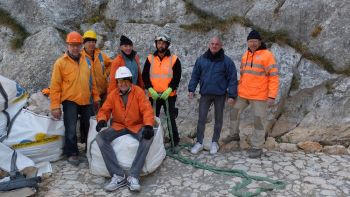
x=235, y=190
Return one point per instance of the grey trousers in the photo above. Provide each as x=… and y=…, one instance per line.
x=104, y=139
x=260, y=114
x=204, y=104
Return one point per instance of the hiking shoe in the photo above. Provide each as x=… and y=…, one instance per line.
x=116, y=183
x=133, y=184
x=254, y=153
x=214, y=148
x=197, y=148
x=231, y=138
x=74, y=160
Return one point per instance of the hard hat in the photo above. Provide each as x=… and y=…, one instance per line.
x=74, y=37
x=90, y=34
x=163, y=37
x=123, y=72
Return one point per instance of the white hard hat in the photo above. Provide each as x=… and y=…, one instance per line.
x=123, y=72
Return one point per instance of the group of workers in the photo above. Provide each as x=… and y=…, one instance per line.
x=87, y=82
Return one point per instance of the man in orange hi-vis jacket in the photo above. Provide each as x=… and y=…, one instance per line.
x=258, y=86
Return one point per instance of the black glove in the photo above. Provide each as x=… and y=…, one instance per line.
x=148, y=132
x=100, y=125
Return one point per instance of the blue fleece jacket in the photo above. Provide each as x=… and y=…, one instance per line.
x=216, y=75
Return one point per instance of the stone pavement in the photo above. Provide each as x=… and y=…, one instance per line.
x=315, y=174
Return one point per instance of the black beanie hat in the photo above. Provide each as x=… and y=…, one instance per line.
x=254, y=35
x=125, y=41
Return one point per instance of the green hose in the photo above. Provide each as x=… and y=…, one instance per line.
x=236, y=190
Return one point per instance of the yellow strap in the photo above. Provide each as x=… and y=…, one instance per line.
x=36, y=143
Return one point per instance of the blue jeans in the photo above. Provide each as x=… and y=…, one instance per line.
x=70, y=118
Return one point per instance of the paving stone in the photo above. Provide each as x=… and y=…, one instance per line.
x=305, y=174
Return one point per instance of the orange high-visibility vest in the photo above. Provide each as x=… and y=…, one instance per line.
x=259, y=76
x=161, y=72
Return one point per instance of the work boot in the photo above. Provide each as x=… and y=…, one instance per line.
x=254, y=153
x=197, y=148
x=214, y=148
x=116, y=183
x=231, y=138
x=74, y=160
x=133, y=184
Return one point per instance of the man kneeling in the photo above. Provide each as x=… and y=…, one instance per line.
x=132, y=114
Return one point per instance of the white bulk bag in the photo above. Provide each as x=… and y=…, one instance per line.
x=125, y=148
x=9, y=90
x=6, y=157
x=7, y=115
x=47, y=149
x=27, y=125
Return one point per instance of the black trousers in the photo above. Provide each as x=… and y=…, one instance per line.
x=173, y=112
x=70, y=118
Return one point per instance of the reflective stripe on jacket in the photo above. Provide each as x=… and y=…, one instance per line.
x=118, y=62
x=161, y=72
x=101, y=68
x=259, y=75
x=71, y=81
x=137, y=113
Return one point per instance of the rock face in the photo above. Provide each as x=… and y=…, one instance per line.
x=312, y=104
x=31, y=66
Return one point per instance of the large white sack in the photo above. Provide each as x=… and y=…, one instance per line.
x=6, y=157
x=12, y=90
x=7, y=115
x=27, y=125
x=125, y=148
x=48, y=149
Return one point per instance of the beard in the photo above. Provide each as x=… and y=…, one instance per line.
x=161, y=50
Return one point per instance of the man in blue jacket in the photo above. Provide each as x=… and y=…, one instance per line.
x=216, y=73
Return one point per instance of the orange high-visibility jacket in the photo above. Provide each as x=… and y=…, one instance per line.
x=259, y=75
x=137, y=113
x=118, y=62
x=72, y=81
x=101, y=66
x=161, y=72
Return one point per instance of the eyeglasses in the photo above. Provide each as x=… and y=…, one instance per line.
x=123, y=80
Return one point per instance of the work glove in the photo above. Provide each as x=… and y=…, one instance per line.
x=166, y=93
x=154, y=94
x=148, y=132
x=100, y=125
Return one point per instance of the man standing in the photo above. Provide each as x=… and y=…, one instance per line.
x=98, y=61
x=127, y=57
x=217, y=76
x=73, y=85
x=131, y=114
x=161, y=75
x=258, y=86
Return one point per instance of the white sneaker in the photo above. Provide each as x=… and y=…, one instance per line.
x=197, y=148
x=214, y=148
x=116, y=183
x=133, y=184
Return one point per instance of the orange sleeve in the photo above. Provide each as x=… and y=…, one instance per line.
x=55, y=86
x=273, y=76
x=95, y=93
x=112, y=82
x=145, y=108
x=104, y=113
x=108, y=63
